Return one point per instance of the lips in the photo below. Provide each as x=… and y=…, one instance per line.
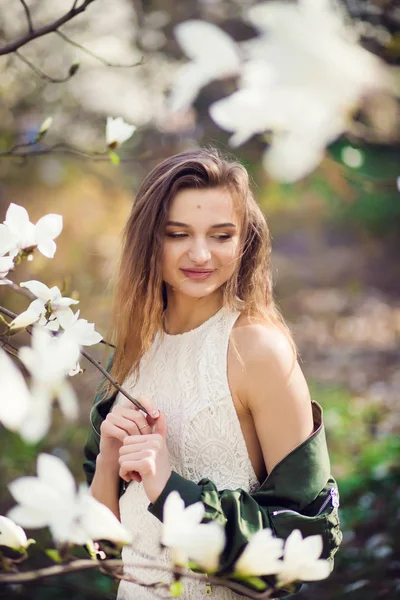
x=197, y=274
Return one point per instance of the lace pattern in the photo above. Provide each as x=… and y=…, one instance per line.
x=186, y=375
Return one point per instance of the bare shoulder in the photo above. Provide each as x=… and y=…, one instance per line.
x=273, y=388
x=259, y=343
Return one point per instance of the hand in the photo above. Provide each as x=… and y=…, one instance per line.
x=146, y=458
x=125, y=420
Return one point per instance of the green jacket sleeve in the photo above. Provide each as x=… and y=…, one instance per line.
x=102, y=405
x=299, y=493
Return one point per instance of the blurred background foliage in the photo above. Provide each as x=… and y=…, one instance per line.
x=335, y=251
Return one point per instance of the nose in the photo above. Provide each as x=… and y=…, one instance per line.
x=199, y=252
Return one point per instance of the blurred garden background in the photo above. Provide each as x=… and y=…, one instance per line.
x=336, y=244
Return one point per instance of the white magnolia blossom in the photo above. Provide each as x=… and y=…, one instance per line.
x=51, y=500
x=83, y=334
x=261, y=555
x=15, y=398
x=26, y=235
x=49, y=360
x=187, y=538
x=118, y=132
x=301, y=559
x=12, y=535
x=213, y=54
x=6, y=264
x=302, y=78
x=49, y=302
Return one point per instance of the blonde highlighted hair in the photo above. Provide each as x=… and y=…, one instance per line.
x=140, y=296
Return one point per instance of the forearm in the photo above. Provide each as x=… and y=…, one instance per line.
x=105, y=484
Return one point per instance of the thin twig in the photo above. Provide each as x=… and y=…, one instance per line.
x=94, y=362
x=42, y=74
x=28, y=15
x=20, y=290
x=45, y=29
x=102, y=370
x=99, y=58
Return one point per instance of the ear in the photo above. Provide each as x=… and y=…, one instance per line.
x=161, y=426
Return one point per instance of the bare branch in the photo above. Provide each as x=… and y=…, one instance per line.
x=45, y=29
x=22, y=291
x=28, y=15
x=72, y=70
x=113, y=564
x=99, y=58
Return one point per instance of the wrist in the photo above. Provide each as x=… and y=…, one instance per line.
x=155, y=490
x=107, y=464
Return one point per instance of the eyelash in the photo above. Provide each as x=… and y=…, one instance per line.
x=220, y=237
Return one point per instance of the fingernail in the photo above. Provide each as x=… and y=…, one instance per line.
x=155, y=413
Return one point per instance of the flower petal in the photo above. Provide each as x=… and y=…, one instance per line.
x=12, y=535
x=48, y=227
x=35, y=494
x=208, y=44
x=37, y=288
x=47, y=248
x=68, y=402
x=54, y=472
x=28, y=517
x=100, y=523
x=7, y=239
x=14, y=395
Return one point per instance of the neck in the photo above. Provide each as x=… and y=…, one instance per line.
x=184, y=313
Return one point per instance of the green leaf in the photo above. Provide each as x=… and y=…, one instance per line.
x=114, y=158
x=54, y=555
x=176, y=589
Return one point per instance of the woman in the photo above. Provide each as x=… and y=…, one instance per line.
x=201, y=344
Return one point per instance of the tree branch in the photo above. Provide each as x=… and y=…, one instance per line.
x=28, y=15
x=111, y=564
x=72, y=70
x=93, y=55
x=45, y=29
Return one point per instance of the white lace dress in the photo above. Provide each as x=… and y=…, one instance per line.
x=186, y=375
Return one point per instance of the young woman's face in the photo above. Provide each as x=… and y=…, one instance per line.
x=201, y=242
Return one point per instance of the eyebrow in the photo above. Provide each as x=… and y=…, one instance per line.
x=218, y=226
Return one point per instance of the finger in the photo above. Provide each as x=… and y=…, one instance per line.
x=108, y=429
x=161, y=426
x=151, y=408
x=144, y=466
x=132, y=416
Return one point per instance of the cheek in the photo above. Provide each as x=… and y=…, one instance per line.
x=229, y=254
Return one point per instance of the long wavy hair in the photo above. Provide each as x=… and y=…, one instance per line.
x=140, y=294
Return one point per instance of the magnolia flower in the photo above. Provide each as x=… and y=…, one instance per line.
x=50, y=309
x=261, y=555
x=117, y=132
x=187, y=538
x=12, y=535
x=301, y=559
x=83, y=334
x=213, y=54
x=49, y=360
x=81, y=331
x=6, y=264
x=302, y=79
x=26, y=235
x=15, y=398
x=51, y=499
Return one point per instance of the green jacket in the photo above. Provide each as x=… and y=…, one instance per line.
x=299, y=493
